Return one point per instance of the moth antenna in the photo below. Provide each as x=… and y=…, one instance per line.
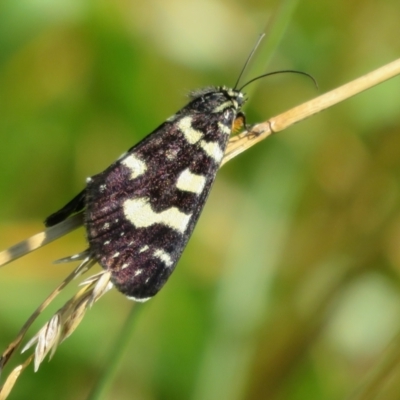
x=40, y=239
x=280, y=72
x=249, y=58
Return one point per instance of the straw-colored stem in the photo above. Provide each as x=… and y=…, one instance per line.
x=261, y=131
x=5, y=357
x=41, y=239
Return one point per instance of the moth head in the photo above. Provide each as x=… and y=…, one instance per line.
x=216, y=99
x=237, y=96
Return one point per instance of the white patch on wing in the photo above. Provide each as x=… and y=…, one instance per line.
x=213, y=150
x=164, y=257
x=140, y=214
x=137, y=166
x=189, y=182
x=191, y=135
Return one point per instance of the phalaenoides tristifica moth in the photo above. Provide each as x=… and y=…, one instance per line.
x=140, y=212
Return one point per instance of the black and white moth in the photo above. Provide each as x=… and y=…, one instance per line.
x=140, y=212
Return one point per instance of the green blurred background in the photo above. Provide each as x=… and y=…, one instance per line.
x=290, y=286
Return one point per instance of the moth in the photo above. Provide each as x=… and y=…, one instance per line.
x=141, y=211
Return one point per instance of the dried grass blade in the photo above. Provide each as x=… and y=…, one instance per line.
x=41, y=239
x=12, y=378
x=245, y=140
x=86, y=264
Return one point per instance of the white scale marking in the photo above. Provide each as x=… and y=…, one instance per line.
x=138, y=300
x=213, y=150
x=137, y=166
x=126, y=265
x=144, y=248
x=192, y=135
x=164, y=257
x=139, y=212
x=223, y=106
x=138, y=272
x=189, y=182
x=224, y=128
x=115, y=255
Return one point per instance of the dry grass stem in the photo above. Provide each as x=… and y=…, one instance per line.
x=41, y=239
x=60, y=326
x=46, y=338
x=66, y=319
x=47, y=333
x=83, y=267
x=12, y=378
x=245, y=140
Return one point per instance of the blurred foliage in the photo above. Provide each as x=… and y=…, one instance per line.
x=289, y=288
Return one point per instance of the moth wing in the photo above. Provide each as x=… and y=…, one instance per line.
x=75, y=205
x=141, y=211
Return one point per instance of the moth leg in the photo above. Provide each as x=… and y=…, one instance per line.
x=75, y=257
